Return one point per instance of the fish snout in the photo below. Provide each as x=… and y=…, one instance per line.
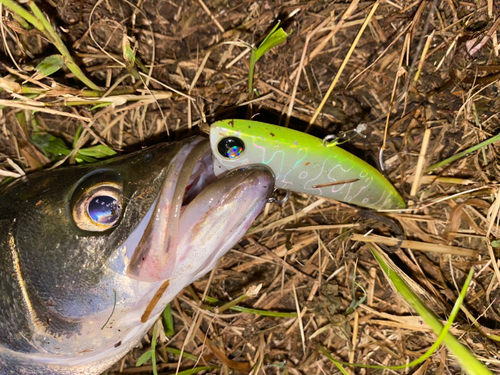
x=220, y=216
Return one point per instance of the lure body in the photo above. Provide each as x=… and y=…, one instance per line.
x=301, y=163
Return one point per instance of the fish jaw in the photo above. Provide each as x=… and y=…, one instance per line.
x=212, y=223
x=218, y=217
x=215, y=219
x=154, y=257
x=209, y=226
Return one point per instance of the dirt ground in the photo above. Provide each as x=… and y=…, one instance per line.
x=423, y=77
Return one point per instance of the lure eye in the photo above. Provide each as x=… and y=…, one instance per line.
x=231, y=147
x=99, y=207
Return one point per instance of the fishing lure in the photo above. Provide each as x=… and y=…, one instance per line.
x=301, y=163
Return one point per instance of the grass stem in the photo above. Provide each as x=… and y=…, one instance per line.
x=19, y=10
x=467, y=360
x=38, y=20
x=460, y=155
x=56, y=40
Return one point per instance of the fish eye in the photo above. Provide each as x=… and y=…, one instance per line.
x=231, y=147
x=99, y=207
x=104, y=209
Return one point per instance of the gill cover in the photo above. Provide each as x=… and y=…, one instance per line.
x=301, y=163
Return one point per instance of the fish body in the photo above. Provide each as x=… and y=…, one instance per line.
x=92, y=254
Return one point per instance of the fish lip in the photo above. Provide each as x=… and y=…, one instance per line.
x=201, y=177
x=154, y=257
x=233, y=197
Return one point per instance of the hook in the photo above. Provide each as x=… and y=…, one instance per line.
x=273, y=199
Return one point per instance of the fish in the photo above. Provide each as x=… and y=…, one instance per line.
x=92, y=254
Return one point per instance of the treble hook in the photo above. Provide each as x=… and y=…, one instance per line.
x=273, y=199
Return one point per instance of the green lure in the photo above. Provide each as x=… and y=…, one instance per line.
x=301, y=163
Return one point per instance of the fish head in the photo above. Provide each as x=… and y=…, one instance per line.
x=92, y=254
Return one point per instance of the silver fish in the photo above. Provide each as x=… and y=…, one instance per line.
x=92, y=254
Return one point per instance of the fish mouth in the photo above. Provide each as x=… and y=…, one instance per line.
x=197, y=215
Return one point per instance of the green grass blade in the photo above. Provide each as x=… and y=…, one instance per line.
x=460, y=155
x=469, y=363
x=432, y=349
x=100, y=105
x=153, y=348
x=97, y=151
x=253, y=311
x=78, y=133
x=168, y=320
x=144, y=358
x=275, y=38
x=251, y=68
x=54, y=38
x=184, y=354
x=196, y=370
x=355, y=302
x=341, y=369
x=48, y=66
x=20, y=11
x=50, y=145
x=274, y=314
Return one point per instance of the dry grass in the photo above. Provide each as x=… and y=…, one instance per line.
x=423, y=76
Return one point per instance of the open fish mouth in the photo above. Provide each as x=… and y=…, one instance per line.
x=197, y=216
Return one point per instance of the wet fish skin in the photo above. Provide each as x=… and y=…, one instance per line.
x=59, y=284
x=37, y=237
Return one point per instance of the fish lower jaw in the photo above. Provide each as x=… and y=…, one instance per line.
x=196, y=210
x=96, y=350
x=89, y=364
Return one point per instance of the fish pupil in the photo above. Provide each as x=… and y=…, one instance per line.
x=231, y=147
x=104, y=209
